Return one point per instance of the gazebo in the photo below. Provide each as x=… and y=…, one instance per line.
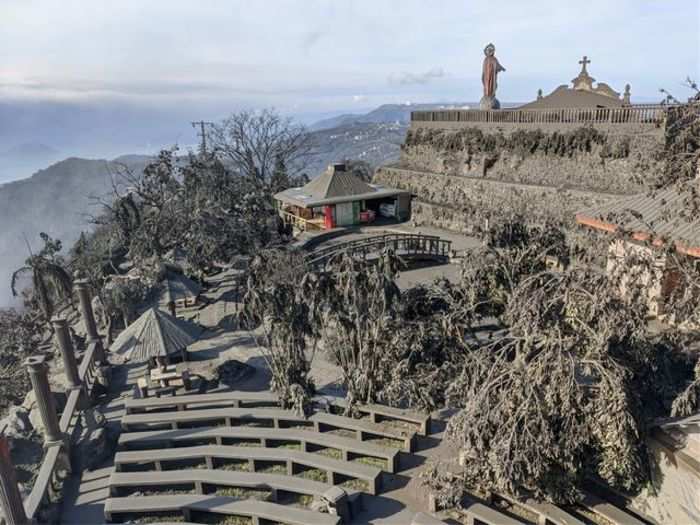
x=339, y=198
x=155, y=337
x=178, y=291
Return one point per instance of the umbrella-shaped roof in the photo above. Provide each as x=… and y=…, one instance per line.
x=154, y=334
x=177, y=287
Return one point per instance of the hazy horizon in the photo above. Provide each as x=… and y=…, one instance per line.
x=101, y=80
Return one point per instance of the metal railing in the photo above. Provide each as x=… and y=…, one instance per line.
x=651, y=114
x=406, y=244
x=48, y=480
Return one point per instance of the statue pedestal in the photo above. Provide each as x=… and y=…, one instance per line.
x=488, y=103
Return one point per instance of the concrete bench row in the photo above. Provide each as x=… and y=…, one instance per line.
x=278, y=418
x=546, y=513
x=308, y=441
x=186, y=503
x=378, y=413
x=234, y=399
x=202, y=480
x=239, y=399
x=332, y=468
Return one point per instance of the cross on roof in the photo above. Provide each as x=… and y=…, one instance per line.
x=584, y=62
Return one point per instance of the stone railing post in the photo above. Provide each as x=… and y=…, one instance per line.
x=38, y=374
x=82, y=288
x=10, y=496
x=65, y=345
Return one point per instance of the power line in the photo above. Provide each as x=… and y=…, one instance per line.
x=202, y=134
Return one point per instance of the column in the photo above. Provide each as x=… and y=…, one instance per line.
x=10, y=497
x=83, y=289
x=65, y=345
x=38, y=374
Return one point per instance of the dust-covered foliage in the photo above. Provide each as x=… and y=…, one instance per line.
x=50, y=279
x=275, y=302
x=20, y=337
x=521, y=142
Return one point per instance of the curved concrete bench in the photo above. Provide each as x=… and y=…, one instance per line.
x=350, y=448
x=609, y=511
x=377, y=413
x=277, y=417
x=363, y=429
x=254, y=509
x=546, y=512
x=254, y=455
x=234, y=399
x=227, y=415
x=202, y=479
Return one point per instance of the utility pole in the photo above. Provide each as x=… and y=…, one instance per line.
x=202, y=134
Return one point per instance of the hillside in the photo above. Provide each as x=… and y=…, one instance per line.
x=53, y=200
x=386, y=113
x=56, y=199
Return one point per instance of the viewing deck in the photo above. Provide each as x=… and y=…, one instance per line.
x=646, y=115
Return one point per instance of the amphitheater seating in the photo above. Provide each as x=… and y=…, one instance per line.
x=234, y=399
x=333, y=468
x=254, y=509
x=202, y=480
x=308, y=441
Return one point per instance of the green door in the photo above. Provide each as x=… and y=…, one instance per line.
x=356, y=212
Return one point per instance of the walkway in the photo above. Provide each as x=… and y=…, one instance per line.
x=85, y=493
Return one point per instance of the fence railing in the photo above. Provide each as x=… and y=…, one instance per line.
x=48, y=480
x=651, y=114
x=402, y=243
x=299, y=222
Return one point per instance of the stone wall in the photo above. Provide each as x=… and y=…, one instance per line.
x=612, y=160
x=463, y=174
x=464, y=204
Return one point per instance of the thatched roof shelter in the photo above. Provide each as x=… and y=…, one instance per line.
x=179, y=289
x=155, y=334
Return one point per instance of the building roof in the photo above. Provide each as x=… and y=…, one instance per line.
x=333, y=186
x=177, y=287
x=582, y=94
x=649, y=217
x=566, y=97
x=154, y=334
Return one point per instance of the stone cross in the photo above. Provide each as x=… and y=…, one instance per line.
x=584, y=62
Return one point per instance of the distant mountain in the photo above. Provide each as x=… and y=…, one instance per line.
x=375, y=143
x=54, y=200
x=387, y=113
x=22, y=160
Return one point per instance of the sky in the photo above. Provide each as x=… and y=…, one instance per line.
x=100, y=77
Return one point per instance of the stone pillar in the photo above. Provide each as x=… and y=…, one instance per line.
x=38, y=374
x=81, y=286
x=65, y=345
x=10, y=497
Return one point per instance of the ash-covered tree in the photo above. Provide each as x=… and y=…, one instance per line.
x=275, y=302
x=50, y=280
x=258, y=144
x=20, y=337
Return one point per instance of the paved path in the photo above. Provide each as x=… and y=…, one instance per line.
x=85, y=492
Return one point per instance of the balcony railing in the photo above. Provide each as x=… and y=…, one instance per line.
x=652, y=114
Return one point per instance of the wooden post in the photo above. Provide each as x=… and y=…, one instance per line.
x=10, y=497
x=38, y=374
x=82, y=287
x=65, y=345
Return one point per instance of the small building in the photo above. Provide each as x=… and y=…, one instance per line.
x=339, y=198
x=649, y=223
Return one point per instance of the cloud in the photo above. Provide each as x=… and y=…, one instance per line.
x=409, y=79
x=359, y=98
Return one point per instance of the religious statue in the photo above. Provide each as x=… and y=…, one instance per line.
x=489, y=74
